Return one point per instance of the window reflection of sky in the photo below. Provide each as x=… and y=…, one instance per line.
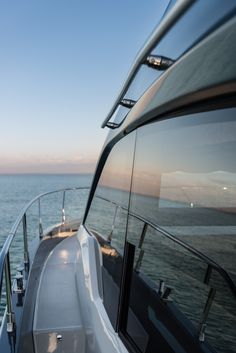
x=187, y=161
x=184, y=180
x=117, y=172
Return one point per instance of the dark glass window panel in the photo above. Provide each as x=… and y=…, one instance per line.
x=154, y=323
x=107, y=218
x=184, y=182
x=221, y=321
x=164, y=260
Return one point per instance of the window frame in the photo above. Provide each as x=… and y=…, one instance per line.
x=224, y=102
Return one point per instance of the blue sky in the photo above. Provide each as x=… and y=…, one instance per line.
x=62, y=64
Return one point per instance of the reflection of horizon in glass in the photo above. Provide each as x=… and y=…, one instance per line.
x=189, y=159
x=118, y=168
x=216, y=189
x=119, y=180
x=207, y=190
x=184, y=181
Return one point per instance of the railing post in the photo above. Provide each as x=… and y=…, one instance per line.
x=25, y=235
x=10, y=313
x=141, y=240
x=208, y=274
x=202, y=324
x=40, y=221
x=109, y=238
x=63, y=215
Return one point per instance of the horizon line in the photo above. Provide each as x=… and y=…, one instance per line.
x=46, y=173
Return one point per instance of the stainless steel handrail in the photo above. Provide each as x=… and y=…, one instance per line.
x=211, y=263
x=175, y=13
x=4, y=253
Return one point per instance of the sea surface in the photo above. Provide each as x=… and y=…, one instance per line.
x=17, y=190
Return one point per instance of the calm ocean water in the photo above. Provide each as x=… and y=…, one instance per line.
x=17, y=190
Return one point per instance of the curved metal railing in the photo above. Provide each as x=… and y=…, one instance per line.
x=175, y=13
x=4, y=253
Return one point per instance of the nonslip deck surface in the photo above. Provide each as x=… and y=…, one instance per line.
x=26, y=341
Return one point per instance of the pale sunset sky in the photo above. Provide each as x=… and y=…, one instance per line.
x=62, y=65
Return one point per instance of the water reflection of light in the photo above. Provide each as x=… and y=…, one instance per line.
x=52, y=346
x=64, y=254
x=109, y=251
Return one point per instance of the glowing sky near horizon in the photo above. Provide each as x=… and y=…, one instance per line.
x=62, y=64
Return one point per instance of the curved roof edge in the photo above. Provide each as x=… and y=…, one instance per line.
x=208, y=70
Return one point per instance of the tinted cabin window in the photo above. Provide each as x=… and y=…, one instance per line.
x=183, y=188
x=107, y=218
